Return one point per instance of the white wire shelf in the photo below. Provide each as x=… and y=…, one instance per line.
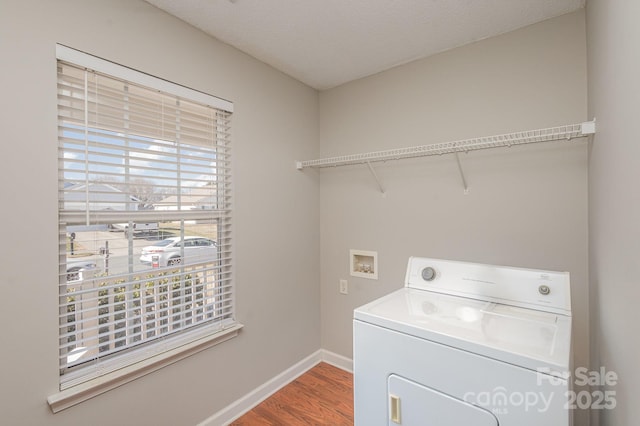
x=566, y=132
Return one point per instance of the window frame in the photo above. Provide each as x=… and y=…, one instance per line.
x=141, y=361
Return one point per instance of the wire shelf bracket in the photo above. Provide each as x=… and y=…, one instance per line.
x=566, y=132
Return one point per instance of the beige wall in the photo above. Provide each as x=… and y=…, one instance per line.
x=527, y=206
x=614, y=204
x=276, y=211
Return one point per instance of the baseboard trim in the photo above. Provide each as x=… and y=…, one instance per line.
x=236, y=409
x=336, y=360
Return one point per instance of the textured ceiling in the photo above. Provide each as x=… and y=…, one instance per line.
x=325, y=43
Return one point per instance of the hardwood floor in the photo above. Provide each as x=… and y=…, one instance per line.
x=321, y=396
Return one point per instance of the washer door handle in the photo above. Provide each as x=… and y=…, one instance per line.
x=394, y=405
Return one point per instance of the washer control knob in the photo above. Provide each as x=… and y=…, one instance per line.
x=544, y=290
x=428, y=273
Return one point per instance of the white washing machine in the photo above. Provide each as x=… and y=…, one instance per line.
x=465, y=344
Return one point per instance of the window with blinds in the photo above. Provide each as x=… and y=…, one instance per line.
x=144, y=218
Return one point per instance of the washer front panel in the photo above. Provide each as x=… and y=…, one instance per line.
x=516, y=396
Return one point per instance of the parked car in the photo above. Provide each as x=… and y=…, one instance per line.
x=78, y=270
x=170, y=251
x=139, y=228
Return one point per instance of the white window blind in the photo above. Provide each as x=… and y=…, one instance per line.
x=145, y=220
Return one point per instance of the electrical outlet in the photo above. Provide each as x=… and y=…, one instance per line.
x=344, y=287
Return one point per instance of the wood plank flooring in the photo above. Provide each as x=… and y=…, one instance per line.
x=321, y=396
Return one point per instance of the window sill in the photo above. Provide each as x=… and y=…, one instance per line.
x=82, y=392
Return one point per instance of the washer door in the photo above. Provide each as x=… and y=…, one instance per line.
x=412, y=404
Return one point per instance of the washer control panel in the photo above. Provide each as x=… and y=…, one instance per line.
x=530, y=288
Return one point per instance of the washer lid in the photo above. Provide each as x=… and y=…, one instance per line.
x=529, y=338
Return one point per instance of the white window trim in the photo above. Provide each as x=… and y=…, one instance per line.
x=178, y=347
x=87, y=390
